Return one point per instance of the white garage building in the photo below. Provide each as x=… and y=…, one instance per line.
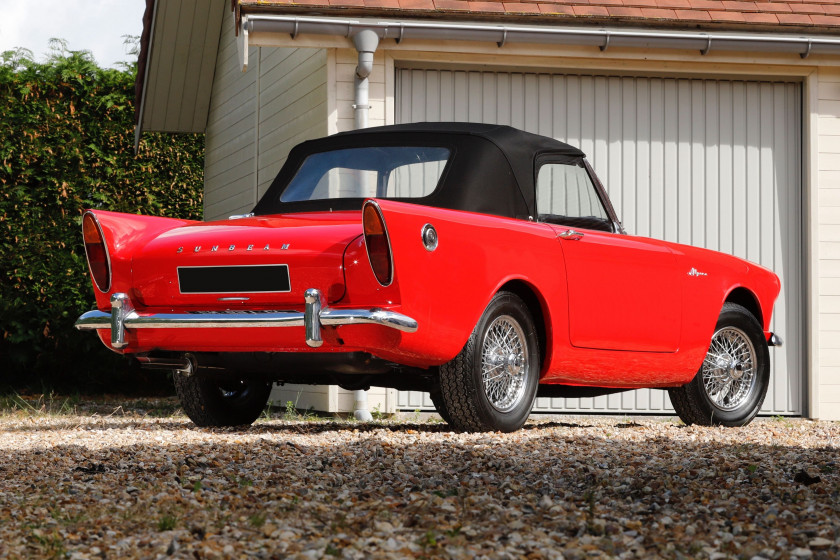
x=711, y=123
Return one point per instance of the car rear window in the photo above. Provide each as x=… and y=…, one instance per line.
x=368, y=172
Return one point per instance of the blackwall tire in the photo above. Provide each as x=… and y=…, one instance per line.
x=215, y=403
x=492, y=383
x=440, y=406
x=732, y=382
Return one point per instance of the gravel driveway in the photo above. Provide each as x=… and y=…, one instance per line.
x=121, y=485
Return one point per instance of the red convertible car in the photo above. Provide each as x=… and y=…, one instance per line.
x=480, y=263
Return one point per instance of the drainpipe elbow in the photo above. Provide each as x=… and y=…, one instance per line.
x=365, y=66
x=366, y=41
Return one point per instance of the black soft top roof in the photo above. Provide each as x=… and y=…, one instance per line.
x=491, y=169
x=507, y=138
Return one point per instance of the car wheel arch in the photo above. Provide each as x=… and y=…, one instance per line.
x=536, y=306
x=747, y=299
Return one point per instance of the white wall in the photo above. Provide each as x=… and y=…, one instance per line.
x=293, y=105
x=827, y=312
x=281, y=100
x=230, y=140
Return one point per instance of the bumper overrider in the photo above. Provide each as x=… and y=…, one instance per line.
x=314, y=317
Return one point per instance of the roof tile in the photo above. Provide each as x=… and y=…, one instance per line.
x=452, y=5
x=738, y=5
x=832, y=8
x=800, y=19
x=590, y=11
x=659, y=13
x=758, y=17
x=673, y=4
x=726, y=16
x=522, y=7
x=618, y=11
x=392, y=4
x=693, y=15
x=773, y=7
x=706, y=4
x=556, y=9
x=417, y=4
x=825, y=20
x=486, y=7
x=810, y=8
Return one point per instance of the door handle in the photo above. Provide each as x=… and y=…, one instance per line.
x=571, y=235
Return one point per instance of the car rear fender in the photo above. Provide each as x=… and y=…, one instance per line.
x=123, y=234
x=446, y=289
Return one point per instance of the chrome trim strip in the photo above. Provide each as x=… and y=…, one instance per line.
x=335, y=317
x=93, y=320
x=315, y=316
x=107, y=252
x=215, y=320
x=387, y=239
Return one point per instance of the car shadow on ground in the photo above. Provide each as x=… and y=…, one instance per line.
x=274, y=427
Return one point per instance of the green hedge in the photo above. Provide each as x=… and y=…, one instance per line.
x=67, y=144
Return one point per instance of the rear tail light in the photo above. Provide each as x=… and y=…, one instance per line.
x=378, y=245
x=97, y=252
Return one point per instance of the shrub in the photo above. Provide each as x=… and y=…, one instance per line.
x=67, y=144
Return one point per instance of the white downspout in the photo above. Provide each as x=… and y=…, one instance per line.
x=365, y=42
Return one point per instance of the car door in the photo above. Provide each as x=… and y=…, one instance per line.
x=624, y=292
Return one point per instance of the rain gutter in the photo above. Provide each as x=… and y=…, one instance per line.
x=258, y=29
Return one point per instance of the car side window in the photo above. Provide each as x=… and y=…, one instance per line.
x=414, y=179
x=567, y=196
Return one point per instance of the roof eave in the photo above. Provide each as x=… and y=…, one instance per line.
x=143, y=58
x=242, y=7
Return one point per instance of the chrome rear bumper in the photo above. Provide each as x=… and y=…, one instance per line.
x=314, y=317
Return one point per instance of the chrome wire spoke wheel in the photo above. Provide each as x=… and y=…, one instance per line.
x=729, y=370
x=730, y=385
x=492, y=383
x=504, y=363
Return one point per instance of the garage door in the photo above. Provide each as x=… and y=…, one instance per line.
x=710, y=163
